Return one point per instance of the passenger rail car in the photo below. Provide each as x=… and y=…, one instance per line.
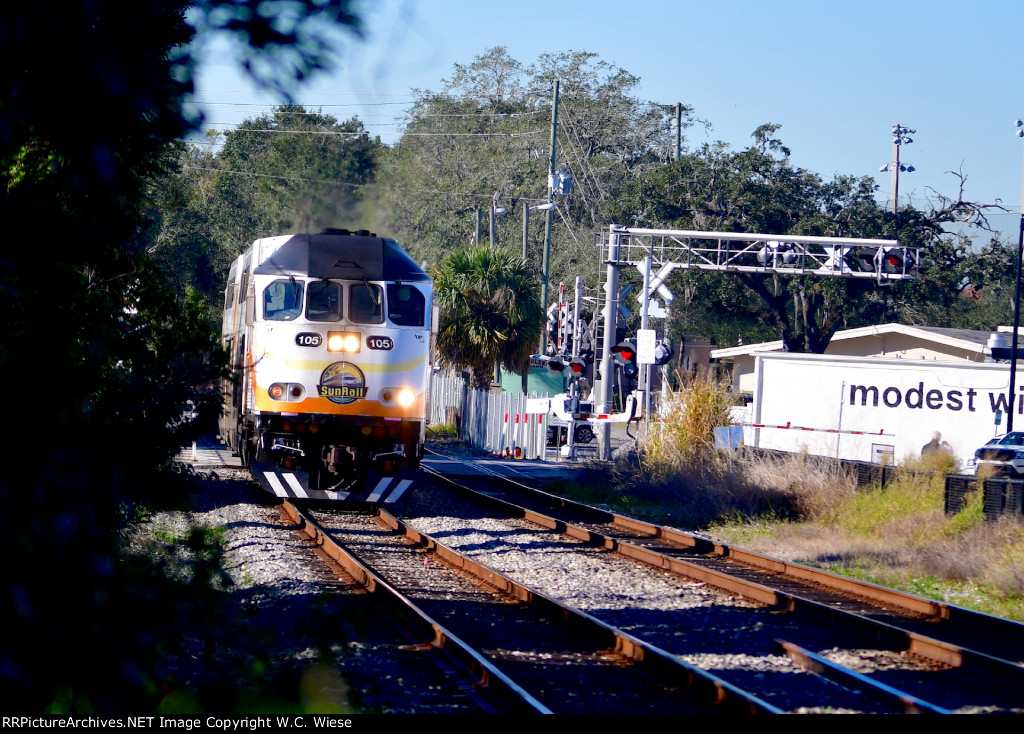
x=330, y=338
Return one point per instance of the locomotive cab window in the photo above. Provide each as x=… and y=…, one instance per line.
x=323, y=301
x=406, y=305
x=365, y=304
x=229, y=295
x=282, y=300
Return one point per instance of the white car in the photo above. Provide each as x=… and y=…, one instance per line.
x=1003, y=456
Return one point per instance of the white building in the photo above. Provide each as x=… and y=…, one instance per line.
x=894, y=341
x=877, y=394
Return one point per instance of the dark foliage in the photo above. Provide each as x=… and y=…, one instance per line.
x=101, y=354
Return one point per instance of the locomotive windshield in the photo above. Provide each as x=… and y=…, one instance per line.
x=365, y=301
x=406, y=305
x=324, y=301
x=282, y=300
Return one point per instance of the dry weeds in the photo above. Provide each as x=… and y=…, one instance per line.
x=805, y=509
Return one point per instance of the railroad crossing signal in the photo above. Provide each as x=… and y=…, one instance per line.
x=650, y=349
x=624, y=311
x=895, y=260
x=657, y=280
x=624, y=353
x=663, y=352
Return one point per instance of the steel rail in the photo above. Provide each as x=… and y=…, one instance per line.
x=915, y=643
x=488, y=676
x=665, y=666
x=855, y=681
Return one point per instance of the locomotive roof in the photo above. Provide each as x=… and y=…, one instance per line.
x=343, y=257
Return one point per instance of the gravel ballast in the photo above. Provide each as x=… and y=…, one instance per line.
x=287, y=634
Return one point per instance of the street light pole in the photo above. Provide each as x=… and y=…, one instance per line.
x=894, y=186
x=1016, y=303
x=900, y=136
x=526, y=233
x=495, y=211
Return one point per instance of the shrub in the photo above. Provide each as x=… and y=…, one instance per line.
x=684, y=435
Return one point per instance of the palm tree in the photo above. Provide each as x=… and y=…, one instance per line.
x=490, y=311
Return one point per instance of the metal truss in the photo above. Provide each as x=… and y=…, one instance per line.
x=737, y=252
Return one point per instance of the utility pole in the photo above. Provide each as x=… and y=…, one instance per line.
x=547, y=227
x=603, y=389
x=549, y=207
x=679, y=130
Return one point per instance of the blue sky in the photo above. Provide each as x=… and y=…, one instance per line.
x=835, y=76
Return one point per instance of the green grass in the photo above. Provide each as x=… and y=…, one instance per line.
x=166, y=534
x=899, y=537
x=870, y=513
x=444, y=429
x=960, y=593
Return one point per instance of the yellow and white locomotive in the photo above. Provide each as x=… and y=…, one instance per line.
x=330, y=339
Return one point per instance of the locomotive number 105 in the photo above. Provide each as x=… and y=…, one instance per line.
x=380, y=342
x=307, y=339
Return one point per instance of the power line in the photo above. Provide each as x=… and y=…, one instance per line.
x=299, y=179
x=311, y=104
x=367, y=133
x=274, y=110
x=319, y=94
x=333, y=182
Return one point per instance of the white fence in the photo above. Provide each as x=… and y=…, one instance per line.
x=445, y=398
x=496, y=422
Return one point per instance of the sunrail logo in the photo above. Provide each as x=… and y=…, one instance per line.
x=342, y=383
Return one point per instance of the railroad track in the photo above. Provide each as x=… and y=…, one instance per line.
x=528, y=652
x=912, y=648
x=736, y=570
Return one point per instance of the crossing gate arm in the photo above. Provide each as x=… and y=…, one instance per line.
x=791, y=427
x=624, y=417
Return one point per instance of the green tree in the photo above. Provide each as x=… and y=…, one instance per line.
x=292, y=170
x=485, y=137
x=289, y=171
x=482, y=136
x=177, y=232
x=758, y=190
x=490, y=312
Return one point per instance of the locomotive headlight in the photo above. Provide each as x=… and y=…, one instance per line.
x=343, y=341
x=291, y=391
x=406, y=397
